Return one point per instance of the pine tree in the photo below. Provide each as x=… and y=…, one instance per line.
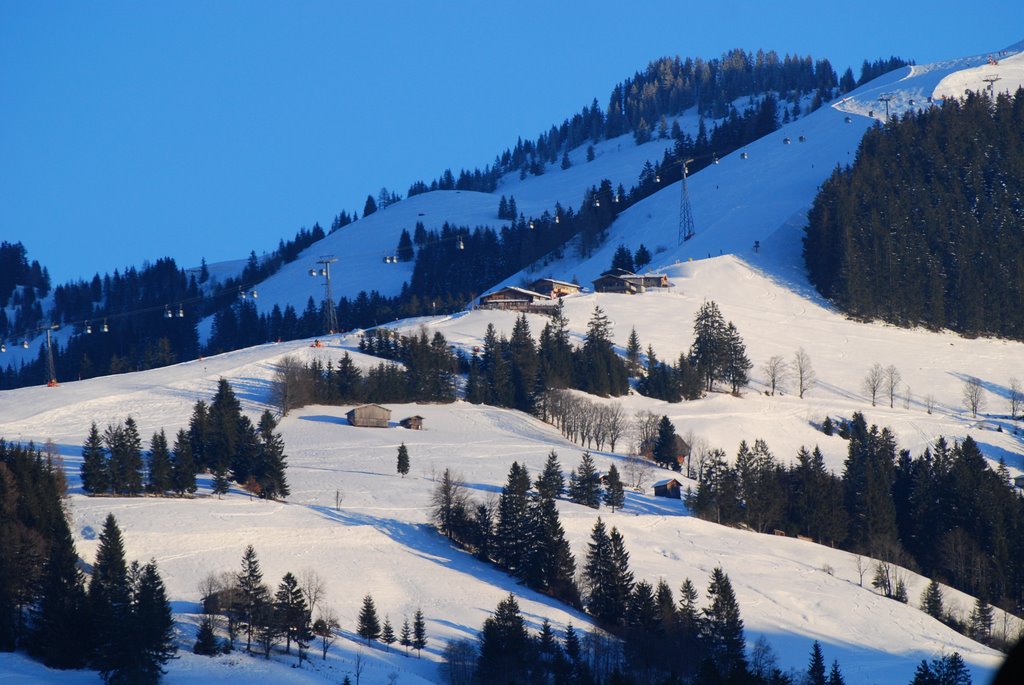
x=159, y=480
x=221, y=483
x=835, y=676
x=59, y=623
x=132, y=465
x=110, y=604
x=816, y=667
x=551, y=483
x=405, y=251
x=979, y=625
x=737, y=364
x=152, y=627
x=292, y=613
x=405, y=636
x=642, y=257
x=271, y=460
x=512, y=541
x=95, y=467
x=505, y=648
x=585, y=483
x=387, y=633
x=633, y=351
x=368, y=626
x=599, y=577
x=723, y=628
x=708, y=352
x=183, y=468
x=253, y=595
x=419, y=632
x=665, y=452
x=403, y=459
x=206, y=639
x=932, y=601
x=614, y=495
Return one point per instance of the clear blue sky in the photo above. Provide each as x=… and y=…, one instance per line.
x=136, y=130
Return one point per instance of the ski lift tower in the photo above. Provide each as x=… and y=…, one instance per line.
x=991, y=81
x=330, y=316
x=886, y=98
x=685, y=211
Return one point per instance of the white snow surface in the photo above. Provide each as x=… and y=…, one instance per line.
x=379, y=542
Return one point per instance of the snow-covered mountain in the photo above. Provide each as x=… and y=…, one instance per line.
x=378, y=540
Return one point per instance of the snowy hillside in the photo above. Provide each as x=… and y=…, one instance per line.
x=378, y=541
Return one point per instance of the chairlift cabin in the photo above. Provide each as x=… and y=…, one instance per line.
x=786, y=141
x=848, y=119
x=744, y=155
x=802, y=139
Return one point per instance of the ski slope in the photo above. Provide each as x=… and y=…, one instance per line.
x=378, y=540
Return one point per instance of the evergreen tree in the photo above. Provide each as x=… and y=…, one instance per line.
x=95, y=468
x=549, y=565
x=642, y=257
x=60, y=626
x=709, y=350
x=403, y=459
x=419, y=632
x=551, y=483
x=565, y=160
x=816, y=667
x=405, y=252
x=505, y=647
x=585, y=483
x=110, y=604
x=370, y=207
x=835, y=676
x=152, y=630
x=253, y=595
x=665, y=452
x=932, y=601
x=623, y=259
x=160, y=477
x=271, y=460
x=183, y=468
x=206, y=639
x=512, y=541
x=368, y=626
x=614, y=496
x=221, y=482
x=979, y=625
x=633, y=351
x=737, y=364
x=723, y=628
x=599, y=578
x=292, y=613
x=387, y=633
x=405, y=636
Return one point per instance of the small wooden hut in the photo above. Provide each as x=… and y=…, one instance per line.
x=669, y=487
x=412, y=423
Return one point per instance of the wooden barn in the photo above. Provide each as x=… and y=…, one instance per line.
x=651, y=280
x=554, y=289
x=412, y=423
x=669, y=487
x=369, y=416
x=511, y=297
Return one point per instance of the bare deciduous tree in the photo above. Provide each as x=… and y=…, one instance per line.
x=1016, y=397
x=645, y=428
x=313, y=586
x=804, y=372
x=615, y=423
x=292, y=386
x=892, y=383
x=973, y=395
x=637, y=471
x=873, y=382
x=326, y=628
x=776, y=372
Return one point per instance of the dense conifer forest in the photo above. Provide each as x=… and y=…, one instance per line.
x=925, y=227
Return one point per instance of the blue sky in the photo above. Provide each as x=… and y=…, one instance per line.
x=132, y=131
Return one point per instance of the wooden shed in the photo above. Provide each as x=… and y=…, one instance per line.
x=412, y=423
x=369, y=416
x=669, y=487
x=553, y=288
